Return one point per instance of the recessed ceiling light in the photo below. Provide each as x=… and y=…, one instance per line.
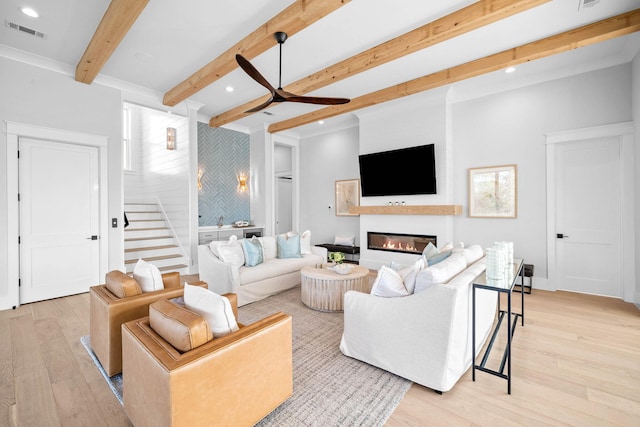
x=229, y=89
x=510, y=70
x=320, y=122
x=29, y=12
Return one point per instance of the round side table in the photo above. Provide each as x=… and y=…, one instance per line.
x=323, y=289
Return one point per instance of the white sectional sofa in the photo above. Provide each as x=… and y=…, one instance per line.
x=251, y=284
x=425, y=336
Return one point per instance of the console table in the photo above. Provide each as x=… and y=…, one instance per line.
x=501, y=287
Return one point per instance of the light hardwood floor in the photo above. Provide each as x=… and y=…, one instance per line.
x=575, y=362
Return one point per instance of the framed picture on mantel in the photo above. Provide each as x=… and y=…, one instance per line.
x=347, y=195
x=493, y=192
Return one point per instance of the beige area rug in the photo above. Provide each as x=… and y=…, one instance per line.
x=329, y=388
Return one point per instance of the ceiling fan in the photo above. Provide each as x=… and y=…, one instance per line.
x=280, y=95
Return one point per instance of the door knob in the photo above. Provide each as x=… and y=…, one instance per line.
x=561, y=236
x=92, y=238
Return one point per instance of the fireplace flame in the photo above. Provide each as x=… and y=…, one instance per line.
x=398, y=246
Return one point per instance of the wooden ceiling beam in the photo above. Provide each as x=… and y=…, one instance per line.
x=606, y=29
x=114, y=25
x=294, y=18
x=462, y=21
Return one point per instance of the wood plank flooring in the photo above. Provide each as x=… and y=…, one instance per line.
x=575, y=362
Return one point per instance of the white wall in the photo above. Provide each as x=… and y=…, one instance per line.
x=635, y=93
x=259, y=190
x=325, y=159
x=509, y=128
x=412, y=121
x=36, y=96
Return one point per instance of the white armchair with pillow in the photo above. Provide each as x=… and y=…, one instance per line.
x=424, y=336
x=258, y=267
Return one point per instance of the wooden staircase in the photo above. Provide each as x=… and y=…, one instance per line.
x=149, y=238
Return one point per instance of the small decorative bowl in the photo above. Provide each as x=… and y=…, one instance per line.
x=343, y=268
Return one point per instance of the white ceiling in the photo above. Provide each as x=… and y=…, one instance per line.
x=173, y=39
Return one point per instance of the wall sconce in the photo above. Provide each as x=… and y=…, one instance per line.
x=171, y=138
x=242, y=182
x=200, y=173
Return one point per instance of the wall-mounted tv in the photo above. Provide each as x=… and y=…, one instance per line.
x=399, y=172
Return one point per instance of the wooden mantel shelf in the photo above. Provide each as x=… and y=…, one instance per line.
x=407, y=210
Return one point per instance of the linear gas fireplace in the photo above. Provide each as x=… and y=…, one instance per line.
x=404, y=243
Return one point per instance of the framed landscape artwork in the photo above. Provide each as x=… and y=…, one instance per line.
x=347, y=195
x=493, y=192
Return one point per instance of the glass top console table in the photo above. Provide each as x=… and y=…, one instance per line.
x=503, y=286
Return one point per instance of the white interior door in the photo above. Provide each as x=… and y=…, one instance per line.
x=59, y=219
x=284, y=205
x=588, y=217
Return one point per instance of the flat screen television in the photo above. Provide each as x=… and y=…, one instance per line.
x=399, y=172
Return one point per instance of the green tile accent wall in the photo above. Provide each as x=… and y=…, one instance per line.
x=222, y=154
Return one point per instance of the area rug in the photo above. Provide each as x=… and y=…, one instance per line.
x=329, y=389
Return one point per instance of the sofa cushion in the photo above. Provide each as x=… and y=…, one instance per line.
x=276, y=267
x=269, y=247
x=388, y=284
x=180, y=327
x=228, y=251
x=253, y=253
x=215, y=309
x=288, y=246
x=148, y=276
x=473, y=253
x=122, y=285
x=441, y=272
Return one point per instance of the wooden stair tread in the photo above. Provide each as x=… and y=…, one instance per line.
x=135, y=239
x=172, y=267
x=150, y=248
x=153, y=258
x=140, y=212
x=146, y=229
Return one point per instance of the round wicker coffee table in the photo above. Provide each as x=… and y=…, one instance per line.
x=323, y=289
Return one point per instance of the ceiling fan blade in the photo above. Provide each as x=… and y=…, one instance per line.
x=253, y=73
x=261, y=106
x=317, y=100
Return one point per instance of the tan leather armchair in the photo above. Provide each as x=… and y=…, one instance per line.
x=116, y=302
x=234, y=380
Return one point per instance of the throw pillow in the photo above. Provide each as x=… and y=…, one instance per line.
x=447, y=247
x=344, y=240
x=388, y=284
x=269, y=248
x=305, y=242
x=148, y=276
x=288, y=247
x=440, y=256
x=429, y=251
x=410, y=273
x=180, y=327
x=215, y=309
x=228, y=251
x=253, y=254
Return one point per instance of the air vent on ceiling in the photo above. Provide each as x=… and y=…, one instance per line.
x=25, y=30
x=587, y=3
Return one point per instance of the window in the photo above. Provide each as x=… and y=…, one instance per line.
x=126, y=139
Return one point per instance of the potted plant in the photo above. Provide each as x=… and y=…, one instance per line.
x=336, y=257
